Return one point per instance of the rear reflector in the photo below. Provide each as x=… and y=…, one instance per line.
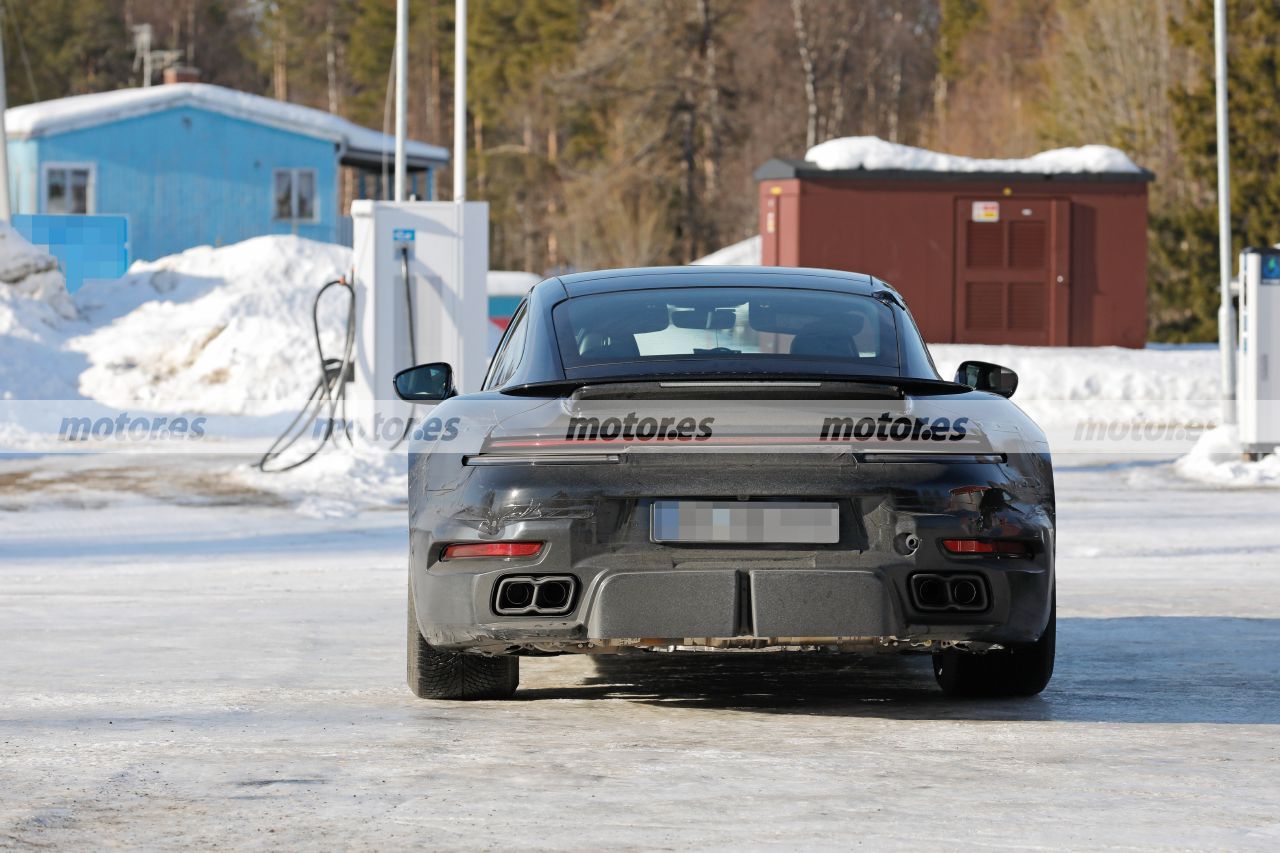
x=1002, y=547
x=492, y=549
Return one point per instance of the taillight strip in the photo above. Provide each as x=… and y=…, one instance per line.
x=993, y=547
x=491, y=549
x=545, y=459
x=926, y=456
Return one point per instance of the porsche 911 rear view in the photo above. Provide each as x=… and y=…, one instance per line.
x=729, y=460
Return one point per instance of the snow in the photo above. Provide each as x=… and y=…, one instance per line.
x=226, y=330
x=229, y=329
x=873, y=153
x=34, y=308
x=198, y=666
x=1097, y=373
x=21, y=263
x=511, y=282
x=336, y=484
x=80, y=111
x=746, y=252
x=1216, y=459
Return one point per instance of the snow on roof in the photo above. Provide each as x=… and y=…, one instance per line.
x=872, y=153
x=745, y=253
x=80, y=111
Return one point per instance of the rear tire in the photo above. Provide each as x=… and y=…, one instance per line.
x=1022, y=669
x=435, y=674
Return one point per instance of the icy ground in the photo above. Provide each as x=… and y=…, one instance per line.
x=187, y=662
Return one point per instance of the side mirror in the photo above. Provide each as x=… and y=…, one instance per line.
x=426, y=383
x=983, y=376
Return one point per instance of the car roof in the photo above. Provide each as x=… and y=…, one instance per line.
x=645, y=278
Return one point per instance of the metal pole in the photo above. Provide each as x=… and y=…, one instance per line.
x=146, y=56
x=402, y=91
x=4, y=137
x=1226, y=312
x=460, y=101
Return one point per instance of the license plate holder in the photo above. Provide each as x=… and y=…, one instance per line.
x=745, y=522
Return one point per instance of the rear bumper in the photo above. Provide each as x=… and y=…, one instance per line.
x=700, y=606
x=684, y=596
x=635, y=592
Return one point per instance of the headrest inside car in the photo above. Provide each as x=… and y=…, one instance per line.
x=712, y=319
x=764, y=316
x=646, y=317
x=633, y=317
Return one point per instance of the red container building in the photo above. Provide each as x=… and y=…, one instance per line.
x=982, y=257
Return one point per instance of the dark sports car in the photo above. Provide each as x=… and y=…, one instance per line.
x=727, y=459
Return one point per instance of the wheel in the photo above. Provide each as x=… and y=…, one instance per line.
x=453, y=675
x=1020, y=670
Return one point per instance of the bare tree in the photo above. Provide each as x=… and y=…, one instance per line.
x=1110, y=74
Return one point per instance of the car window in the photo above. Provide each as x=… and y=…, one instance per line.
x=510, y=349
x=726, y=323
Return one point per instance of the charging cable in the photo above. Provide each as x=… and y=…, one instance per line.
x=328, y=398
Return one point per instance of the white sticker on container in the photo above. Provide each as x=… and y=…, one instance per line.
x=986, y=211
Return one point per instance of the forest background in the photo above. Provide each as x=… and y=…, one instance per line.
x=625, y=132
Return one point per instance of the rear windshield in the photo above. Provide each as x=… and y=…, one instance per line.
x=793, y=329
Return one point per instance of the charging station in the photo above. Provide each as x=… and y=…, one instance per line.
x=418, y=294
x=420, y=273
x=1258, y=382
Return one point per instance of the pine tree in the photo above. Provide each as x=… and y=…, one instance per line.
x=1185, y=294
x=57, y=48
x=516, y=48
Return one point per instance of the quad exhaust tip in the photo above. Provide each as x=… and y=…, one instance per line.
x=957, y=592
x=533, y=595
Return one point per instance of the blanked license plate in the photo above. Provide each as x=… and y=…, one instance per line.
x=748, y=522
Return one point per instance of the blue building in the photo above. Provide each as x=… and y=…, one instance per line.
x=191, y=164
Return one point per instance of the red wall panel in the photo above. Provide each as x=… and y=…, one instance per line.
x=904, y=231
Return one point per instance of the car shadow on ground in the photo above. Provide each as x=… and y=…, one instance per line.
x=1150, y=669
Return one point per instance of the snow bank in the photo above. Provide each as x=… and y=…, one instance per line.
x=340, y=481
x=745, y=253
x=227, y=330
x=31, y=272
x=1215, y=459
x=24, y=266
x=1064, y=386
x=870, y=152
x=511, y=282
x=1097, y=373
x=34, y=310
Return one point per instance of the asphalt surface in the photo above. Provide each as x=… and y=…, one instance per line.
x=182, y=673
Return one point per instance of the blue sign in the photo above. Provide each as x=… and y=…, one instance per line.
x=1271, y=267
x=403, y=235
x=88, y=248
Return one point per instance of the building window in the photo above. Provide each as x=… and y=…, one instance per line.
x=68, y=188
x=294, y=196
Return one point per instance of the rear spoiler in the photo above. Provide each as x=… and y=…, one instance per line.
x=799, y=387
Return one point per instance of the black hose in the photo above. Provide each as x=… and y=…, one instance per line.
x=413, y=347
x=408, y=302
x=329, y=392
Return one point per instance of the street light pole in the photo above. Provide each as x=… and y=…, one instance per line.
x=402, y=92
x=460, y=101
x=1226, y=311
x=4, y=137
